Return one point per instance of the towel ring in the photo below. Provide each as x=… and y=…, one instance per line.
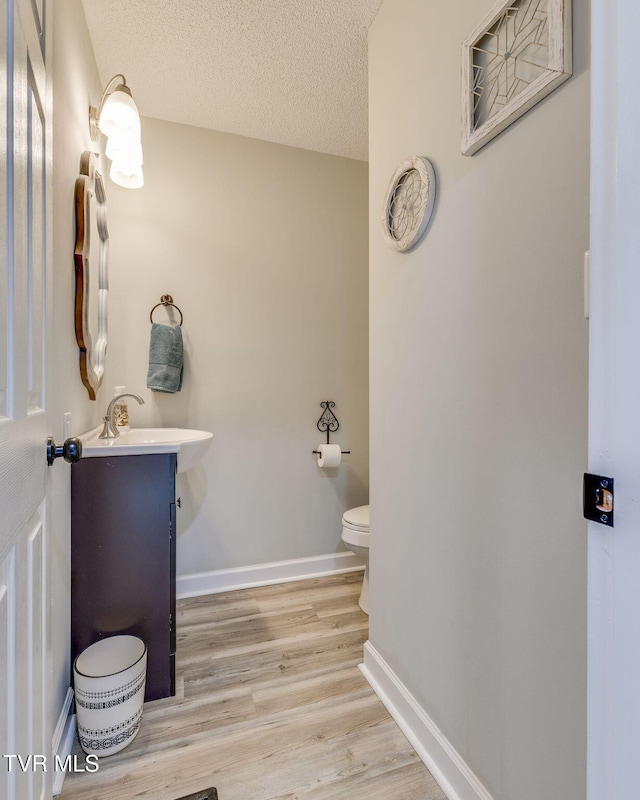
x=166, y=300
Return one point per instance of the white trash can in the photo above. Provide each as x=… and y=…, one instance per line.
x=109, y=679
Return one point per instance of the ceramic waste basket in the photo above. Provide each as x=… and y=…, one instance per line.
x=109, y=680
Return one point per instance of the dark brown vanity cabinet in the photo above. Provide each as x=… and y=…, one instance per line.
x=123, y=556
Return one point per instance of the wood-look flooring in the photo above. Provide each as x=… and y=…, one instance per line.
x=270, y=704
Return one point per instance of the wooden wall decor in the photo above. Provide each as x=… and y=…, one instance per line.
x=409, y=203
x=518, y=54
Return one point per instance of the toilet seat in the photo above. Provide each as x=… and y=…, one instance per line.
x=356, y=519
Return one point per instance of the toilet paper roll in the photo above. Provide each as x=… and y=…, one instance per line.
x=329, y=455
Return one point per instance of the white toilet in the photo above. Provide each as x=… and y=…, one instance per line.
x=355, y=534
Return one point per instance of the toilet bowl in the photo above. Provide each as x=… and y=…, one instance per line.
x=355, y=534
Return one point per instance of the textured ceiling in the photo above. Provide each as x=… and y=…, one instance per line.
x=287, y=71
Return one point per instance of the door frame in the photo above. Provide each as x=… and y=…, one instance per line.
x=614, y=403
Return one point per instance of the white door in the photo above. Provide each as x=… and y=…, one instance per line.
x=614, y=402
x=25, y=727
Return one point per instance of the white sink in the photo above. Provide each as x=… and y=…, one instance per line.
x=190, y=445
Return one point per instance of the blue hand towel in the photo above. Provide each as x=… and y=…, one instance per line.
x=165, y=358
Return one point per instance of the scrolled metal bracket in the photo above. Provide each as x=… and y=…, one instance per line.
x=328, y=423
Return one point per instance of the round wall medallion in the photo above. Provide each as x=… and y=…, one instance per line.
x=409, y=202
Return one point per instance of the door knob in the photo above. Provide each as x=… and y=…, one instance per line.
x=71, y=450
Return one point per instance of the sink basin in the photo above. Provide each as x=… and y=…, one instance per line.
x=190, y=445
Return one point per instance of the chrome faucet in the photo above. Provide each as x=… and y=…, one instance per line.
x=110, y=430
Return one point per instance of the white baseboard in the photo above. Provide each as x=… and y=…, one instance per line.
x=446, y=765
x=226, y=580
x=63, y=737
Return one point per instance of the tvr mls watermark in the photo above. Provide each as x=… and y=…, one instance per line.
x=39, y=763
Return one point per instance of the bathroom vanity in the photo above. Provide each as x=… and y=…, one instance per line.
x=123, y=557
x=123, y=541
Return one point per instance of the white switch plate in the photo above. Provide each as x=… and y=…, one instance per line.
x=66, y=424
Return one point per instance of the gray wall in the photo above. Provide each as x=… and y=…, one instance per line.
x=478, y=411
x=264, y=249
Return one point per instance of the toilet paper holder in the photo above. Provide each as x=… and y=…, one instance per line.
x=328, y=423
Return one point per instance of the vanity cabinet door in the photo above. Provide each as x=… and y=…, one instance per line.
x=123, y=558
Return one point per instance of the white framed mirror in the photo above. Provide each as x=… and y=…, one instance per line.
x=92, y=272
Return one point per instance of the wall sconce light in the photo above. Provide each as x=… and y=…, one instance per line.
x=118, y=118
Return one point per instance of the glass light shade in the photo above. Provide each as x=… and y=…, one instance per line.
x=119, y=113
x=125, y=147
x=126, y=175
